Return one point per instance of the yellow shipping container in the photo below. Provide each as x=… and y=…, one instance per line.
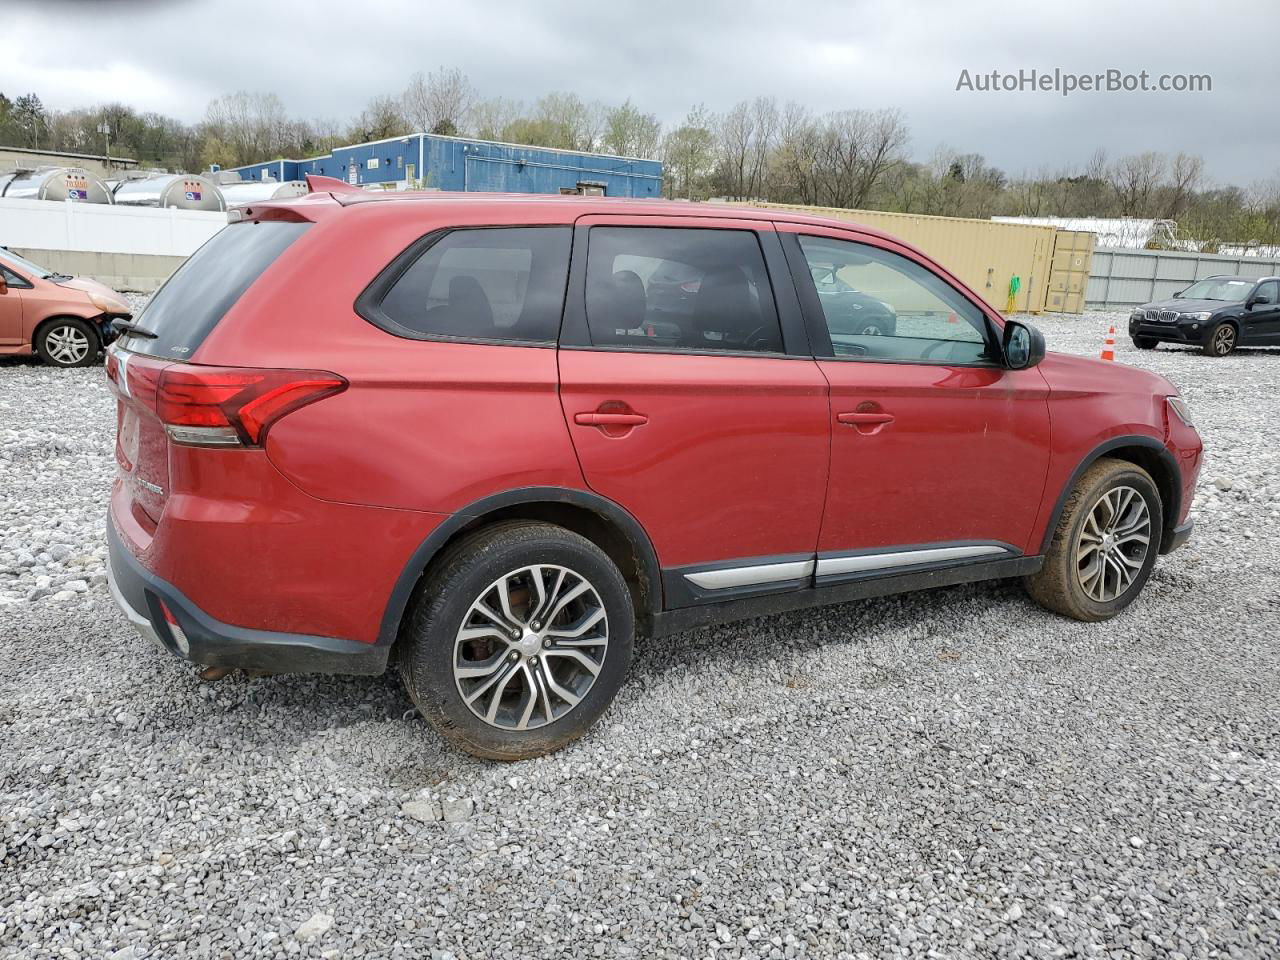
x=984, y=254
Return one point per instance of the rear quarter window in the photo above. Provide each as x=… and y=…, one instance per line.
x=200, y=292
x=487, y=284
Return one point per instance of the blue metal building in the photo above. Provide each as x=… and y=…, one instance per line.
x=453, y=163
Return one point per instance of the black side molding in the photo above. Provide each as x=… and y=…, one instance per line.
x=714, y=614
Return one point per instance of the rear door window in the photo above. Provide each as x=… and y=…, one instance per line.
x=493, y=284
x=186, y=309
x=674, y=288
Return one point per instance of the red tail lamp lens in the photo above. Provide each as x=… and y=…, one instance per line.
x=226, y=404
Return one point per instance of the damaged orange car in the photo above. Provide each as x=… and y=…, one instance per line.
x=66, y=320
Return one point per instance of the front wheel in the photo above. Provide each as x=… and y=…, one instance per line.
x=518, y=640
x=1221, y=340
x=1104, y=546
x=68, y=342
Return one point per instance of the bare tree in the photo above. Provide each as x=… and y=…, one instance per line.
x=440, y=102
x=764, y=112
x=494, y=119
x=794, y=172
x=735, y=134
x=1186, y=175
x=1134, y=180
x=381, y=118
x=251, y=126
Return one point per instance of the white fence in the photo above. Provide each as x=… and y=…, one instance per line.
x=105, y=228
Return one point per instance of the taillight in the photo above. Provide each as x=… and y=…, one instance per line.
x=112, y=364
x=235, y=407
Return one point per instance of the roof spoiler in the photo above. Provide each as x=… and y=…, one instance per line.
x=318, y=184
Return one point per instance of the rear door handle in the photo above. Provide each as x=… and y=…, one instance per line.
x=864, y=419
x=594, y=419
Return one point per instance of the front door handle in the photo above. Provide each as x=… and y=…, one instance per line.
x=596, y=419
x=864, y=419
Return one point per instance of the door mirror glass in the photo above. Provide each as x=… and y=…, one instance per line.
x=1023, y=345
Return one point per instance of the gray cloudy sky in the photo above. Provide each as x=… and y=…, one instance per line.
x=327, y=58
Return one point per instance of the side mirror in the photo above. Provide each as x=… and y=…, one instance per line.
x=1023, y=345
x=4, y=284
x=1257, y=302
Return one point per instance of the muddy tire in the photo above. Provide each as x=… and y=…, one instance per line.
x=1104, y=545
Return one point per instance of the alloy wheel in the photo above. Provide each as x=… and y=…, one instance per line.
x=530, y=647
x=1113, y=544
x=1224, y=339
x=66, y=344
x=871, y=330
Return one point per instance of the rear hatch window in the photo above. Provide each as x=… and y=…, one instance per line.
x=192, y=301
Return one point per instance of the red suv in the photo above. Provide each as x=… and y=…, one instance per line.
x=461, y=434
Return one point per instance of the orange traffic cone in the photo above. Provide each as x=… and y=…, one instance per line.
x=1109, y=345
x=951, y=318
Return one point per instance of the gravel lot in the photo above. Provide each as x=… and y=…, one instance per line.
x=956, y=773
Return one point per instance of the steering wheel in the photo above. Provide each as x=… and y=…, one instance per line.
x=928, y=351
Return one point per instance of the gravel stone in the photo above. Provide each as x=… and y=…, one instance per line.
x=317, y=926
x=954, y=773
x=456, y=811
x=428, y=811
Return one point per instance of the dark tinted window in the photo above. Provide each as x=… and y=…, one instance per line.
x=1270, y=290
x=500, y=283
x=680, y=289
x=203, y=289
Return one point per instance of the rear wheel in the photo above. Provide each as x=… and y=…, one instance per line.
x=518, y=640
x=1145, y=343
x=1221, y=340
x=1104, y=546
x=68, y=342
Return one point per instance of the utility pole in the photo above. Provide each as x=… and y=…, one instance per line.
x=104, y=128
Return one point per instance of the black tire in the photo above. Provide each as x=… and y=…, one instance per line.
x=55, y=339
x=876, y=327
x=1059, y=585
x=442, y=605
x=1221, y=340
x=1145, y=343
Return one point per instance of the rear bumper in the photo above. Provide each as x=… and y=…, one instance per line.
x=204, y=640
x=1181, y=534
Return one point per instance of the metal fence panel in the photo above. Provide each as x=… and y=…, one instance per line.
x=1120, y=279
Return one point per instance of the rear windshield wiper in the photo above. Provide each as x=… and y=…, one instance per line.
x=133, y=329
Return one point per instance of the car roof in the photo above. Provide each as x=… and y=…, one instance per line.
x=568, y=207
x=1235, y=276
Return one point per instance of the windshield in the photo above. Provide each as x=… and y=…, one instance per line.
x=11, y=259
x=1231, y=289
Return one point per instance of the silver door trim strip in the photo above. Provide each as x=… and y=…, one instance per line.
x=750, y=576
x=904, y=558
